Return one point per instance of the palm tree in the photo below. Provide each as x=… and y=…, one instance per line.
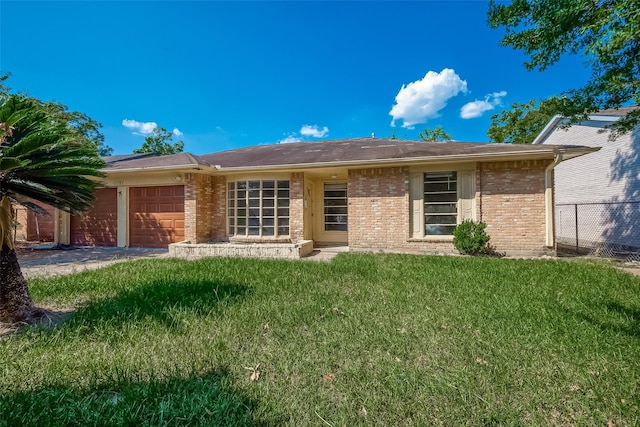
x=44, y=159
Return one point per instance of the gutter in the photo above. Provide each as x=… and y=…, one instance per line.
x=526, y=155
x=190, y=166
x=549, y=204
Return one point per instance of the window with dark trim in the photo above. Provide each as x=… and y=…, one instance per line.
x=440, y=203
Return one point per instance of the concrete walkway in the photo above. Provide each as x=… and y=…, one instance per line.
x=47, y=260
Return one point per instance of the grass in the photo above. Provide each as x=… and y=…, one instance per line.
x=363, y=340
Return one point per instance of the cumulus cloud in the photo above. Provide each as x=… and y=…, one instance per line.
x=289, y=139
x=177, y=132
x=141, y=128
x=421, y=100
x=306, y=131
x=477, y=108
x=314, y=131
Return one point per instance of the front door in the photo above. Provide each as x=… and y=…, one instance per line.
x=332, y=222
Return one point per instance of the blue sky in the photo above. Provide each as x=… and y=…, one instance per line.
x=232, y=74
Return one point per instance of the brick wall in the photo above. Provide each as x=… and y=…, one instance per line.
x=510, y=199
x=199, y=207
x=378, y=208
x=218, y=209
x=296, y=207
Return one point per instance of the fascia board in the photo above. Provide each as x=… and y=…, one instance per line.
x=522, y=155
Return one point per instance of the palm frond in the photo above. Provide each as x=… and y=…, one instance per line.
x=44, y=159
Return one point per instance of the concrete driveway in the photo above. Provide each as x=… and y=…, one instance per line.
x=47, y=260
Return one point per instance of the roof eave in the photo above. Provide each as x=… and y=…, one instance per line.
x=553, y=123
x=187, y=167
x=567, y=153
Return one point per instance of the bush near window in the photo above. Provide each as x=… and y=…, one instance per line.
x=469, y=237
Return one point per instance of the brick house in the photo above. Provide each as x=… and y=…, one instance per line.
x=366, y=193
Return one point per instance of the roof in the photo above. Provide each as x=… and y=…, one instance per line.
x=338, y=153
x=619, y=112
x=146, y=161
x=369, y=151
x=610, y=115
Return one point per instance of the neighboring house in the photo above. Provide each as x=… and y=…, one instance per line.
x=597, y=196
x=367, y=194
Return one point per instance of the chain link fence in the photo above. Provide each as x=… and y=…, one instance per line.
x=609, y=230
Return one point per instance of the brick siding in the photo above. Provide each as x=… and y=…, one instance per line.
x=378, y=208
x=296, y=207
x=201, y=212
x=510, y=199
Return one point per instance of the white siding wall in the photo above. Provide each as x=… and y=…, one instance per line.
x=591, y=178
x=609, y=175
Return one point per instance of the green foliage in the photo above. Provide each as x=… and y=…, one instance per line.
x=605, y=32
x=160, y=143
x=435, y=134
x=43, y=157
x=524, y=122
x=394, y=135
x=80, y=123
x=367, y=339
x=469, y=237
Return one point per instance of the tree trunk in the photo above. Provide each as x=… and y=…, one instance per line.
x=16, y=304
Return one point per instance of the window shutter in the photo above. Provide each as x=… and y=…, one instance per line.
x=416, y=183
x=467, y=194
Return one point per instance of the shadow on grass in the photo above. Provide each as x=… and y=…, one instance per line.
x=616, y=317
x=198, y=400
x=163, y=300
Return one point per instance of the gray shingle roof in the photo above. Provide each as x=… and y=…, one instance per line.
x=152, y=161
x=341, y=152
x=362, y=150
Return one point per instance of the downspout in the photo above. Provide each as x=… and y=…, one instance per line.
x=549, y=205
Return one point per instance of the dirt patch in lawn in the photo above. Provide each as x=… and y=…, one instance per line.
x=52, y=317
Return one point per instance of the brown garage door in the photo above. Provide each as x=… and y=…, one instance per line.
x=99, y=225
x=156, y=216
x=40, y=228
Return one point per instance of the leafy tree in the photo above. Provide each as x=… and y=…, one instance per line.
x=394, y=135
x=160, y=142
x=79, y=122
x=523, y=122
x=87, y=127
x=42, y=158
x=435, y=134
x=605, y=32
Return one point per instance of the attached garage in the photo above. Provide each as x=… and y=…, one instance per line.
x=99, y=225
x=40, y=228
x=156, y=216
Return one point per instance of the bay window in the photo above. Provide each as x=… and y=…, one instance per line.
x=258, y=208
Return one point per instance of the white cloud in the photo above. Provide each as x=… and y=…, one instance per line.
x=289, y=139
x=140, y=128
x=476, y=108
x=177, y=132
x=421, y=100
x=306, y=131
x=314, y=131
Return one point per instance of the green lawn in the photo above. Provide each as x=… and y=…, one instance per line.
x=364, y=340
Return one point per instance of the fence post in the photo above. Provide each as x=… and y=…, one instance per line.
x=575, y=208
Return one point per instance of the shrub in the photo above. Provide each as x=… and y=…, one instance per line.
x=469, y=237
